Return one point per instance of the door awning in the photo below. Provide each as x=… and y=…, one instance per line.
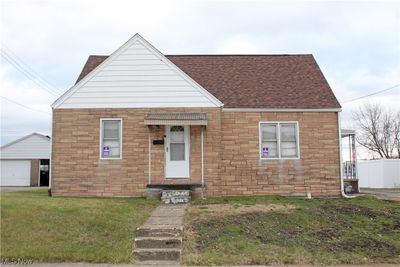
x=176, y=118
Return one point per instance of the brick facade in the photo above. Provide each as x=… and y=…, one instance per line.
x=231, y=155
x=244, y=173
x=78, y=171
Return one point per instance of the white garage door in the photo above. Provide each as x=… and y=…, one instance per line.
x=15, y=172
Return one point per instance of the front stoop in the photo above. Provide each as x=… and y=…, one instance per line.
x=175, y=196
x=159, y=240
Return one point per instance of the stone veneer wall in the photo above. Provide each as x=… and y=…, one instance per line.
x=231, y=154
x=244, y=173
x=78, y=171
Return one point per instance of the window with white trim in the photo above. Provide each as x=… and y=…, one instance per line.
x=279, y=140
x=110, y=138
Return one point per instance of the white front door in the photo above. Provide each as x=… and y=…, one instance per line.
x=177, y=151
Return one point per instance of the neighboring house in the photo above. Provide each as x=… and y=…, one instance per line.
x=25, y=162
x=234, y=124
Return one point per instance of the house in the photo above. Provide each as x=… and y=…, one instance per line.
x=138, y=121
x=25, y=162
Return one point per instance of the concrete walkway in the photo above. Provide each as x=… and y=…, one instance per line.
x=386, y=194
x=159, y=240
x=166, y=215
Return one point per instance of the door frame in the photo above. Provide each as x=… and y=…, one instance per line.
x=167, y=151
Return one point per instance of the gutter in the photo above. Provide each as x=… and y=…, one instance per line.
x=341, y=159
x=281, y=110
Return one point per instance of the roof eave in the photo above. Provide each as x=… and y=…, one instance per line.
x=281, y=109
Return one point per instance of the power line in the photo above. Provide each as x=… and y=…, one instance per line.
x=28, y=75
x=44, y=81
x=27, y=68
x=22, y=105
x=17, y=66
x=375, y=93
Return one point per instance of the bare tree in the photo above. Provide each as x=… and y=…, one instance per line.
x=379, y=130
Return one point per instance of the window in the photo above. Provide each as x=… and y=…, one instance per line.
x=177, y=143
x=279, y=140
x=110, y=138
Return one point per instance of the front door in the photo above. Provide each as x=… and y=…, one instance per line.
x=177, y=151
x=44, y=172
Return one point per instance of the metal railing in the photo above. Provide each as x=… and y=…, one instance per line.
x=349, y=170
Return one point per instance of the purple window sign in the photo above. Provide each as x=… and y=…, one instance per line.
x=106, y=151
x=265, y=152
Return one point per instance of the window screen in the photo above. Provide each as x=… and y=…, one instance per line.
x=111, y=139
x=279, y=140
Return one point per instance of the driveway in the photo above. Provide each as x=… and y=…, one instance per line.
x=4, y=189
x=386, y=194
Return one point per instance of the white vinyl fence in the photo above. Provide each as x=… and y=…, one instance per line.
x=382, y=173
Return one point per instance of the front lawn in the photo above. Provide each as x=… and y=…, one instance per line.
x=57, y=229
x=282, y=230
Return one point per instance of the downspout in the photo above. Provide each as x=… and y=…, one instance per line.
x=202, y=161
x=356, y=163
x=149, y=156
x=51, y=154
x=341, y=159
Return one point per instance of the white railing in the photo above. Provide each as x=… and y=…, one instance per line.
x=349, y=170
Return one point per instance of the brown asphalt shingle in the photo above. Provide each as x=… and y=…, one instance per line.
x=254, y=81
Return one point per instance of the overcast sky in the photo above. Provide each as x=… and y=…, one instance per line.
x=356, y=44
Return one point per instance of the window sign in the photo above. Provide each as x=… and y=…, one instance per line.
x=106, y=151
x=265, y=151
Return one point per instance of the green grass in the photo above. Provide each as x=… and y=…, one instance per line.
x=318, y=231
x=58, y=229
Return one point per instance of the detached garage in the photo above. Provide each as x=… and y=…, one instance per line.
x=25, y=162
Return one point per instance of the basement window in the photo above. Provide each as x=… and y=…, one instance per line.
x=110, y=138
x=279, y=140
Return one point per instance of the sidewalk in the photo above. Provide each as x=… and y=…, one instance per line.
x=167, y=265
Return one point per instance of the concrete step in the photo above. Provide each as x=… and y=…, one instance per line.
x=158, y=242
x=159, y=231
x=175, y=196
x=158, y=254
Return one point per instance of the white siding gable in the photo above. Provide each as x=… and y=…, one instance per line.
x=33, y=146
x=136, y=76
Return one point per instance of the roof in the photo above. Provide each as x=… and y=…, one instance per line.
x=254, y=81
x=347, y=132
x=173, y=118
x=25, y=137
x=32, y=146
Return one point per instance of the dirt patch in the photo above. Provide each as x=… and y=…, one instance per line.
x=331, y=232
x=205, y=212
x=350, y=210
x=390, y=227
x=208, y=230
x=376, y=248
